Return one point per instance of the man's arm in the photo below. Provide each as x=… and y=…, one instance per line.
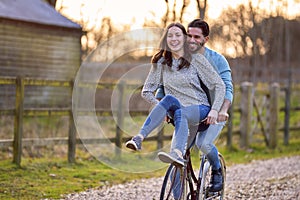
x=223, y=115
x=225, y=73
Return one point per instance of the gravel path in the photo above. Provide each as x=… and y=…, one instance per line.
x=276, y=179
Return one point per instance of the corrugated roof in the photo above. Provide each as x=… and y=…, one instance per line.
x=37, y=11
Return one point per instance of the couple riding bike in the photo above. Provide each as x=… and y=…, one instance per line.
x=188, y=70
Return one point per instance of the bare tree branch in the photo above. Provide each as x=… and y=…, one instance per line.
x=201, y=5
x=174, y=11
x=166, y=17
x=184, y=5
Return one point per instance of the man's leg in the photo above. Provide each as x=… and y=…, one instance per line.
x=205, y=139
x=205, y=142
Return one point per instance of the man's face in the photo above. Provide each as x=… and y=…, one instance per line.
x=195, y=39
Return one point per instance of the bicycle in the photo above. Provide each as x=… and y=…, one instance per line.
x=190, y=186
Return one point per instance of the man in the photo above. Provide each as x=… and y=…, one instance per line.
x=198, y=35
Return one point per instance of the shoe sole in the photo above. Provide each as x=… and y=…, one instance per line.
x=166, y=158
x=132, y=146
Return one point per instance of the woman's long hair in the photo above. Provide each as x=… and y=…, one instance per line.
x=166, y=53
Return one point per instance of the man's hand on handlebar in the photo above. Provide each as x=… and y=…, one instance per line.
x=222, y=117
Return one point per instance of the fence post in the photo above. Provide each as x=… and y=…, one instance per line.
x=72, y=132
x=18, y=123
x=287, y=109
x=273, y=114
x=71, y=139
x=229, y=127
x=120, y=120
x=246, y=113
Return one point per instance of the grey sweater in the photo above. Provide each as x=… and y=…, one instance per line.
x=184, y=84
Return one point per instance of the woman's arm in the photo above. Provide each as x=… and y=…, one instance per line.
x=151, y=84
x=213, y=81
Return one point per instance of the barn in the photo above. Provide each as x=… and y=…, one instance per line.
x=37, y=42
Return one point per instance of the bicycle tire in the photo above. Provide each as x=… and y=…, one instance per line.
x=223, y=167
x=172, y=188
x=205, y=181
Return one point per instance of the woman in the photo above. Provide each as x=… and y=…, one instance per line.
x=185, y=100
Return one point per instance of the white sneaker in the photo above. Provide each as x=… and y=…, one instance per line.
x=135, y=143
x=173, y=157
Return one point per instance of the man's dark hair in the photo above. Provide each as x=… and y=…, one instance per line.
x=199, y=23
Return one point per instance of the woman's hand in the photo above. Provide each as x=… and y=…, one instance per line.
x=212, y=117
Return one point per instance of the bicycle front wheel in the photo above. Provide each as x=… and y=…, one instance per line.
x=174, y=185
x=205, y=181
x=223, y=166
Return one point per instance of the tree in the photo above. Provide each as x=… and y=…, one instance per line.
x=259, y=38
x=202, y=5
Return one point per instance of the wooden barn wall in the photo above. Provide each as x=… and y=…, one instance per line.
x=38, y=51
x=42, y=52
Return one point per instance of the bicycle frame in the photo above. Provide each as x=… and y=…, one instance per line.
x=194, y=182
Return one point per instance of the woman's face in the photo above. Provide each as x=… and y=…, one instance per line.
x=175, y=40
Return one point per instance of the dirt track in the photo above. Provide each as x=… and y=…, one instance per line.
x=275, y=179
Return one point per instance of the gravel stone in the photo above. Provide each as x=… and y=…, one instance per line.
x=274, y=179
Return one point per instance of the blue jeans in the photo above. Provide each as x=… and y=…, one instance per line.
x=205, y=142
x=205, y=139
x=184, y=117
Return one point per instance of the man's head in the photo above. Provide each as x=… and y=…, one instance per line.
x=198, y=35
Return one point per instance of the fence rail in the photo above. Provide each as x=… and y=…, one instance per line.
x=19, y=112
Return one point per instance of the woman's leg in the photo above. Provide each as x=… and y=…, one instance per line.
x=154, y=119
x=158, y=114
x=183, y=118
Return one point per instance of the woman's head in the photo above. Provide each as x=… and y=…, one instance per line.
x=173, y=44
x=173, y=39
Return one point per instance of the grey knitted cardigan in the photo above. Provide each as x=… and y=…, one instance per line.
x=184, y=84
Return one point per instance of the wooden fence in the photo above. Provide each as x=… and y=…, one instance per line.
x=246, y=108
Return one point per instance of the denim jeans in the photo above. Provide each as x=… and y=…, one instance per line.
x=184, y=117
x=205, y=142
x=205, y=139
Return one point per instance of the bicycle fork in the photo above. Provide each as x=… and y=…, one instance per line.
x=204, y=168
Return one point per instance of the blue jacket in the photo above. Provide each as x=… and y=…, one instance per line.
x=220, y=63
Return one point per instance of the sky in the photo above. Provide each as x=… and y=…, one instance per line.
x=135, y=11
